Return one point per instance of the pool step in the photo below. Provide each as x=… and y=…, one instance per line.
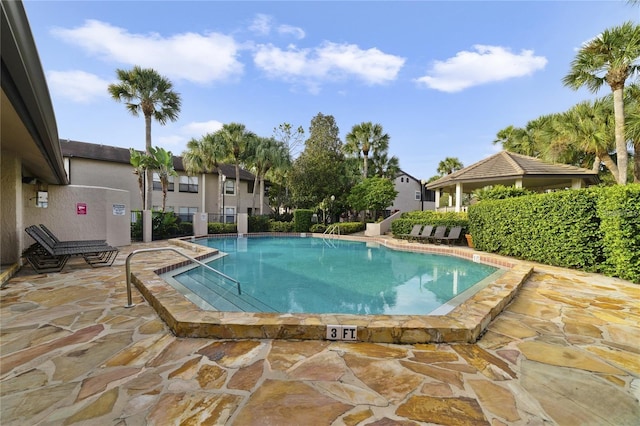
x=220, y=293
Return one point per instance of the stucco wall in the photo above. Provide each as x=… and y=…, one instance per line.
x=10, y=208
x=61, y=215
x=120, y=176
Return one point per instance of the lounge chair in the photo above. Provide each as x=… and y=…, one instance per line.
x=452, y=237
x=439, y=234
x=415, y=232
x=72, y=242
x=426, y=233
x=47, y=256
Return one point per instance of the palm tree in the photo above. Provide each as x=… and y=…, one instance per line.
x=611, y=58
x=238, y=139
x=267, y=153
x=204, y=155
x=449, y=165
x=384, y=166
x=588, y=126
x=144, y=90
x=140, y=163
x=162, y=163
x=365, y=137
x=632, y=118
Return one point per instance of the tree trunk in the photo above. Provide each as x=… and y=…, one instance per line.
x=621, y=142
x=149, y=173
x=238, y=198
x=596, y=164
x=253, y=200
x=262, y=195
x=609, y=163
x=636, y=161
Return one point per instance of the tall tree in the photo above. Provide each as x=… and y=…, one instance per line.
x=162, y=163
x=144, y=90
x=611, y=58
x=320, y=171
x=140, y=163
x=238, y=140
x=384, y=166
x=449, y=165
x=204, y=155
x=362, y=139
x=267, y=153
x=632, y=117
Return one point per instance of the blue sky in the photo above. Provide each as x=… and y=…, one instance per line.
x=442, y=78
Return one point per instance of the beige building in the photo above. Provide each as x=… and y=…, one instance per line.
x=412, y=194
x=93, y=164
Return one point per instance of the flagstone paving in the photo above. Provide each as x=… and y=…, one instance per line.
x=566, y=351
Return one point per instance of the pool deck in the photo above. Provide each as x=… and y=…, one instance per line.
x=565, y=350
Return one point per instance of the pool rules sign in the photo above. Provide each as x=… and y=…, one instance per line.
x=342, y=332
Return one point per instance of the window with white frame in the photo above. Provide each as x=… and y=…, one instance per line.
x=188, y=184
x=157, y=185
x=230, y=187
x=418, y=198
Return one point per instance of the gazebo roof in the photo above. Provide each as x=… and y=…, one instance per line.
x=504, y=168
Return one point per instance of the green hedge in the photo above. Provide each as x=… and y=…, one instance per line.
x=302, y=220
x=258, y=223
x=592, y=229
x=277, y=226
x=407, y=220
x=345, y=228
x=221, y=228
x=619, y=212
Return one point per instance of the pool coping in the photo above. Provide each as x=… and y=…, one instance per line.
x=464, y=324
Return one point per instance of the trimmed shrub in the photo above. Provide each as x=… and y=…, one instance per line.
x=186, y=228
x=276, y=226
x=619, y=211
x=302, y=220
x=450, y=219
x=258, y=223
x=349, y=227
x=595, y=229
x=221, y=228
x=318, y=228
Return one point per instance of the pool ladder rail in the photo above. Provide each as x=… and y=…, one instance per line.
x=147, y=250
x=333, y=229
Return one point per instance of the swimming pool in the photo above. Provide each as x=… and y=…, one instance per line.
x=314, y=275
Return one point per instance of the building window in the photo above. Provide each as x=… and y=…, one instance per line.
x=186, y=213
x=401, y=178
x=230, y=187
x=157, y=185
x=188, y=184
x=418, y=198
x=250, y=187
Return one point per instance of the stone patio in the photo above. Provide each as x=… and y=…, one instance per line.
x=566, y=350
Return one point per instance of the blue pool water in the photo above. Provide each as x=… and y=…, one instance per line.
x=313, y=275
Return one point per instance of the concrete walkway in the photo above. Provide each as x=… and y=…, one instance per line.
x=566, y=351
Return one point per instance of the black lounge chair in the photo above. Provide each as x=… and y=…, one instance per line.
x=415, y=232
x=426, y=233
x=439, y=234
x=452, y=237
x=47, y=256
x=72, y=242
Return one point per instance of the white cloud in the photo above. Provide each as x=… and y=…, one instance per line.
x=484, y=65
x=328, y=62
x=78, y=86
x=189, y=56
x=297, y=32
x=198, y=129
x=261, y=24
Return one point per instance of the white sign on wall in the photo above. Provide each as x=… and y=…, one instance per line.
x=119, y=210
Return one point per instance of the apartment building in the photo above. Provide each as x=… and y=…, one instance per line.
x=102, y=165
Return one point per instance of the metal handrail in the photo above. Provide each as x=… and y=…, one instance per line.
x=128, y=269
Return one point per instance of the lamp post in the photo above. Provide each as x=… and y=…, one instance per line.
x=422, y=184
x=333, y=198
x=224, y=189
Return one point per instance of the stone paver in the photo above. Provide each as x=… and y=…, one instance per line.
x=565, y=351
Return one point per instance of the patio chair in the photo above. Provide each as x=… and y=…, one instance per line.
x=426, y=233
x=439, y=234
x=71, y=242
x=47, y=256
x=415, y=232
x=452, y=237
